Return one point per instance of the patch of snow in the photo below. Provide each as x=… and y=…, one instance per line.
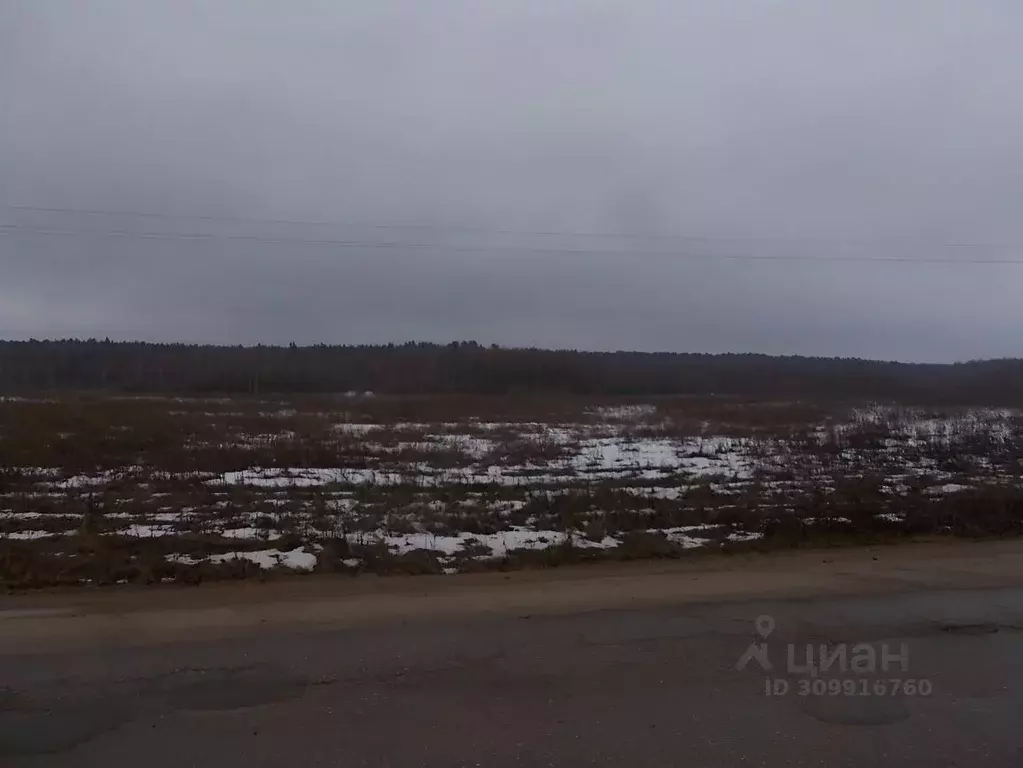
x=594, y=459
x=250, y=533
x=608, y=542
x=144, y=531
x=48, y=472
x=656, y=492
x=182, y=559
x=170, y=517
x=32, y=535
x=938, y=490
x=681, y=536
x=499, y=544
x=611, y=453
x=700, y=527
x=100, y=478
x=623, y=412
x=267, y=559
x=12, y=515
x=742, y=537
x=823, y=520
x=891, y=517
x=352, y=428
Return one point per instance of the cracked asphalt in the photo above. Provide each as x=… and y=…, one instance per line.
x=653, y=683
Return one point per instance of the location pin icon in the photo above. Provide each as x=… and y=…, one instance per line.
x=764, y=626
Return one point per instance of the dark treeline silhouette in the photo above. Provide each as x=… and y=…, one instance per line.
x=32, y=367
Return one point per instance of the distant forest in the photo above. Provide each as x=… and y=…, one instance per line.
x=33, y=367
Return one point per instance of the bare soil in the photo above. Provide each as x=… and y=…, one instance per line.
x=127, y=616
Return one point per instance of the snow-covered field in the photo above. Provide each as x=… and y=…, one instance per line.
x=284, y=488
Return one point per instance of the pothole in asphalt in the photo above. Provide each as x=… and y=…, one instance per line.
x=970, y=629
x=39, y=732
x=856, y=710
x=227, y=693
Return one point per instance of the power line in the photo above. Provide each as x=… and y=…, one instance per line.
x=507, y=231
x=252, y=219
x=15, y=229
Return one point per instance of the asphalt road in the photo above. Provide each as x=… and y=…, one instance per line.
x=651, y=685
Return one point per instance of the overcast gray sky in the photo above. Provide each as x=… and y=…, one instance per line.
x=854, y=129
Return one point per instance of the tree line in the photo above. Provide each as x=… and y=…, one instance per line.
x=32, y=367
